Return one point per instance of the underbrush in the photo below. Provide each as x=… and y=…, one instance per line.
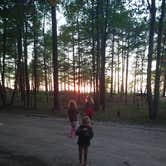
x=134, y=111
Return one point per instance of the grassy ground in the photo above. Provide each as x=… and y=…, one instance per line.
x=134, y=111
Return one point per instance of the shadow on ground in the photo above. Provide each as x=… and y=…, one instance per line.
x=9, y=159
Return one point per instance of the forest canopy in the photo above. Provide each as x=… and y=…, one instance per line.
x=101, y=47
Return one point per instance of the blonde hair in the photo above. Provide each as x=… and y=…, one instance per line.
x=86, y=120
x=89, y=98
x=72, y=102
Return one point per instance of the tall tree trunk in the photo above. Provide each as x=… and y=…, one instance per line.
x=18, y=73
x=118, y=65
x=2, y=95
x=55, y=58
x=68, y=77
x=135, y=78
x=142, y=70
x=74, y=70
x=115, y=76
x=79, y=56
x=93, y=53
x=103, y=48
x=150, y=57
x=158, y=61
x=112, y=63
x=20, y=56
x=127, y=71
x=164, y=85
x=44, y=56
x=97, y=56
x=3, y=91
x=123, y=67
x=164, y=65
x=142, y=77
x=15, y=82
x=35, y=56
x=27, y=87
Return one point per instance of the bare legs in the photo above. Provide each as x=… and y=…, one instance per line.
x=72, y=132
x=80, y=153
x=83, y=152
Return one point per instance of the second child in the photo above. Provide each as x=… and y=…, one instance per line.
x=89, y=107
x=73, y=115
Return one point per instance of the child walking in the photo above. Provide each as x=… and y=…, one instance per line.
x=85, y=134
x=73, y=115
x=89, y=107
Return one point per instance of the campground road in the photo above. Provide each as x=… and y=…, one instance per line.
x=114, y=144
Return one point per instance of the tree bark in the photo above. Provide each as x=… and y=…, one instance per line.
x=158, y=61
x=118, y=65
x=74, y=70
x=97, y=56
x=112, y=63
x=19, y=71
x=164, y=85
x=103, y=48
x=3, y=63
x=127, y=71
x=164, y=65
x=44, y=56
x=79, y=56
x=123, y=68
x=27, y=87
x=150, y=55
x=35, y=56
x=135, y=79
x=55, y=59
x=93, y=53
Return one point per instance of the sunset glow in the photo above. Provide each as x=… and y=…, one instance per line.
x=87, y=88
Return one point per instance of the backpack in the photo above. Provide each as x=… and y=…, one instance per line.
x=85, y=132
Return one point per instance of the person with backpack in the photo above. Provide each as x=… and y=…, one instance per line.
x=85, y=134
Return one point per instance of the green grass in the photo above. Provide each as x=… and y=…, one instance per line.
x=127, y=113
x=132, y=113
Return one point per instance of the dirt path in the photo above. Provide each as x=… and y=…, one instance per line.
x=45, y=139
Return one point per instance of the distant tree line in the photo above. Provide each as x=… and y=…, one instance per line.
x=109, y=46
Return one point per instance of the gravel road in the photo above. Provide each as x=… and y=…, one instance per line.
x=44, y=140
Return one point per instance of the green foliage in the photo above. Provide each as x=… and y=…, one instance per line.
x=127, y=21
